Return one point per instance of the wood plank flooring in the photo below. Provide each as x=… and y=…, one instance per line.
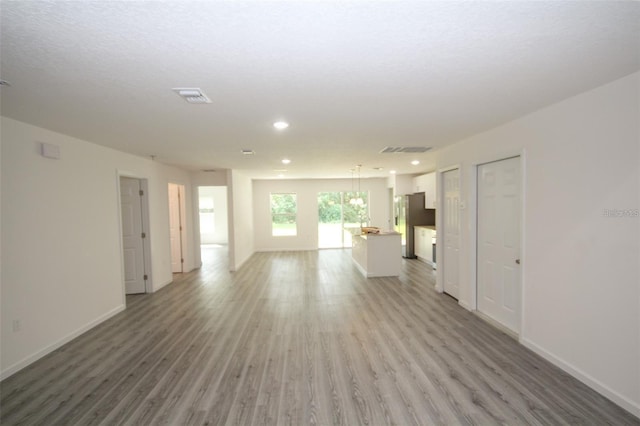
x=298, y=338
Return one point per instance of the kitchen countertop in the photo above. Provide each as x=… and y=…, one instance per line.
x=380, y=234
x=433, y=228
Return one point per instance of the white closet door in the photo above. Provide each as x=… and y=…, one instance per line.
x=132, y=240
x=499, y=277
x=450, y=235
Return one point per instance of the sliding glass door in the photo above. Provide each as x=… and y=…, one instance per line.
x=340, y=213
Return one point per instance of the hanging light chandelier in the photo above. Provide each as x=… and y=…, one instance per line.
x=357, y=199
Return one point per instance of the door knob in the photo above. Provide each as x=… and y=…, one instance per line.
x=518, y=261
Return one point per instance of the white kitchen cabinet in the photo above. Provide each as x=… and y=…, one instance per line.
x=430, y=191
x=423, y=243
x=419, y=183
x=427, y=184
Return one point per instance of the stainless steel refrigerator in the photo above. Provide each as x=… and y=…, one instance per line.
x=410, y=212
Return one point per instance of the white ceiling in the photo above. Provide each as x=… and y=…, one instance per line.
x=350, y=77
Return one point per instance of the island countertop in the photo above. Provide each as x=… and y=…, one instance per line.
x=378, y=255
x=433, y=228
x=379, y=234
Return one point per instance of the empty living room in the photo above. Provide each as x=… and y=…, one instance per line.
x=322, y=212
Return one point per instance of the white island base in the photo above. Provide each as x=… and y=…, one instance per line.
x=378, y=255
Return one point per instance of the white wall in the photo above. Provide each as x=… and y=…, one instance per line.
x=307, y=198
x=581, y=277
x=401, y=184
x=62, y=260
x=216, y=178
x=241, y=237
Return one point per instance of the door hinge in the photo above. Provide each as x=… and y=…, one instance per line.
x=181, y=228
x=141, y=192
x=143, y=235
x=181, y=260
x=146, y=277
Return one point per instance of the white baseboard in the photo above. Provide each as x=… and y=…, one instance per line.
x=48, y=349
x=271, y=250
x=241, y=263
x=622, y=401
x=465, y=305
x=162, y=285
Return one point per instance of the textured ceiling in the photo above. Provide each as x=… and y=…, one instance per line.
x=350, y=77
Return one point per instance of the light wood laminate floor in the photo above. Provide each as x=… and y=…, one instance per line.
x=298, y=338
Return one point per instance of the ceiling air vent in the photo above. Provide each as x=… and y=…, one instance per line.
x=193, y=95
x=404, y=149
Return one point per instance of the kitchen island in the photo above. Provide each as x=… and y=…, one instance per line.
x=378, y=255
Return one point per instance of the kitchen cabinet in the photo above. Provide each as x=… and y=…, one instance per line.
x=419, y=183
x=427, y=184
x=423, y=243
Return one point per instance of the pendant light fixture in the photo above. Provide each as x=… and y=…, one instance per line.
x=352, y=201
x=356, y=200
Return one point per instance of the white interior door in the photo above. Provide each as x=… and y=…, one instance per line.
x=176, y=228
x=499, y=277
x=451, y=232
x=132, y=235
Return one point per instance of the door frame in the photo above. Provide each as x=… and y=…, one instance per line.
x=144, y=201
x=182, y=222
x=439, y=220
x=440, y=225
x=473, y=215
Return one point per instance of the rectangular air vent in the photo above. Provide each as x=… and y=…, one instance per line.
x=193, y=95
x=404, y=149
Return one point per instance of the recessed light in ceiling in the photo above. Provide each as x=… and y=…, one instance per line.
x=378, y=168
x=193, y=95
x=248, y=152
x=392, y=172
x=280, y=125
x=415, y=162
x=286, y=161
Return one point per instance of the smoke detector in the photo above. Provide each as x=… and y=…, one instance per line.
x=193, y=95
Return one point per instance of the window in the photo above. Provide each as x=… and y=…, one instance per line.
x=339, y=213
x=284, y=209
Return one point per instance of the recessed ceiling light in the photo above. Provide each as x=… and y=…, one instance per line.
x=415, y=162
x=280, y=125
x=392, y=172
x=248, y=152
x=281, y=176
x=286, y=161
x=378, y=168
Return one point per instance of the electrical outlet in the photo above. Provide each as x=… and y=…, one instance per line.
x=16, y=325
